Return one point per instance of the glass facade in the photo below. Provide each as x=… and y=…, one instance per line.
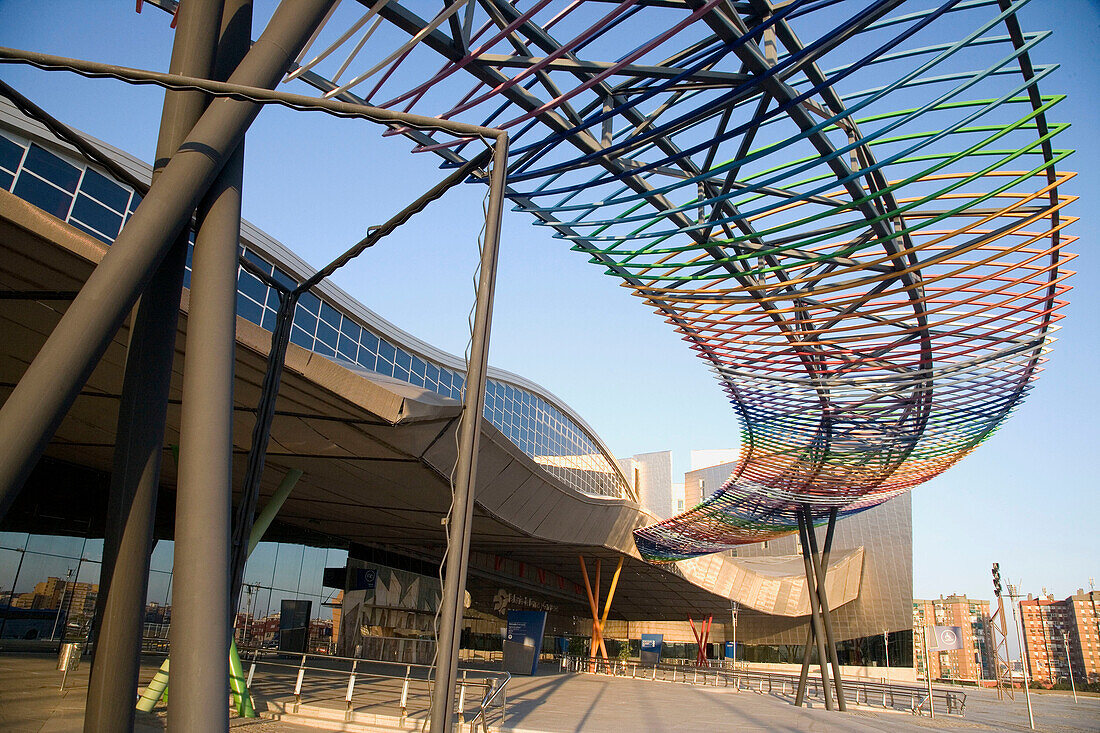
x=77, y=193
x=49, y=585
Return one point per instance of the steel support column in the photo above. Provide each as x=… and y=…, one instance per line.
x=139, y=438
x=47, y=389
x=820, y=562
x=807, y=652
x=815, y=612
x=201, y=627
x=473, y=404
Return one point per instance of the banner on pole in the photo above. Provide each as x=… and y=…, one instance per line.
x=945, y=638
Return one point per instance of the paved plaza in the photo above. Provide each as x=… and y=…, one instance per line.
x=551, y=703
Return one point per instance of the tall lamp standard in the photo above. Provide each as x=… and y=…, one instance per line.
x=886, y=643
x=1013, y=595
x=1069, y=662
x=60, y=606
x=733, y=619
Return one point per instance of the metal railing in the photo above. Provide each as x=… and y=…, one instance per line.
x=481, y=696
x=886, y=695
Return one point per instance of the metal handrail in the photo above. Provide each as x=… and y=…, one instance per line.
x=888, y=695
x=495, y=683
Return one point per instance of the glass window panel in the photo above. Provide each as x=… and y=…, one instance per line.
x=96, y=215
x=432, y=373
x=284, y=279
x=249, y=310
x=305, y=320
x=366, y=358
x=348, y=348
x=351, y=329
x=400, y=372
x=43, y=195
x=386, y=350
x=52, y=168
x=324, y=350
x=327, y=334
x=403, y=359
x=89, y=230
x=288, y=567
x=301, y=338
x=104, y=189
x=257, y=260
x=251, y=286
x=310, y=302
x=260, y=565
x=330, y=314
x=312, y=573
x=369, y=341
x=5, y=180
x=418, y=367
x=10, y=154
x=269, y=319
x=273, y=299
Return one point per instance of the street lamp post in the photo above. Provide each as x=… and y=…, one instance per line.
x=733, y=618
x=886, y=643
x=1013, y=595
x=61, y=605
x=1069, y=663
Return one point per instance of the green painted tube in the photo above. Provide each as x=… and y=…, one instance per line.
x=267, y=514
x=241, y=698
x=157, y=687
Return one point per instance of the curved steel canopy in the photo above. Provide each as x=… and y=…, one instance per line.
x=851, y=211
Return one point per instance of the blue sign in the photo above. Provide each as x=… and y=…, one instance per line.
x=731, y=650
x=523, y=641
x=651, y=648
x=365, y=579
x=946, y=638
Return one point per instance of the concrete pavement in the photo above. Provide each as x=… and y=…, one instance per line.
x=555, y=703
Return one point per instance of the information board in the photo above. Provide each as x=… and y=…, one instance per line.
x=523, y=641
x=651, y=648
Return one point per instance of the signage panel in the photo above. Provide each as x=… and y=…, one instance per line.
x=651, y=648
x=523, y=641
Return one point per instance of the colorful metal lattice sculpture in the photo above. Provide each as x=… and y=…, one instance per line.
x=850, y=210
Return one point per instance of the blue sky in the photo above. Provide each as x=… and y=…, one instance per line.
x=1027, y=498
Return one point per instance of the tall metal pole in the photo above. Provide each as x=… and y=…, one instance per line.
x=43, y=395
x=202, y=628
x=928, y=674
x=886, y=644
x=815, y=612
x=1069, y=663
x=139, y=438
x=60, y=607
x=473, y=404
x=1026, y=666
x=22, y=554
x=733, y=619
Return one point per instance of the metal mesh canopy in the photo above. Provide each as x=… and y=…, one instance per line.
x=850, y=210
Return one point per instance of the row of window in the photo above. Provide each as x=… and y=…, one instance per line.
x=90, y=201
